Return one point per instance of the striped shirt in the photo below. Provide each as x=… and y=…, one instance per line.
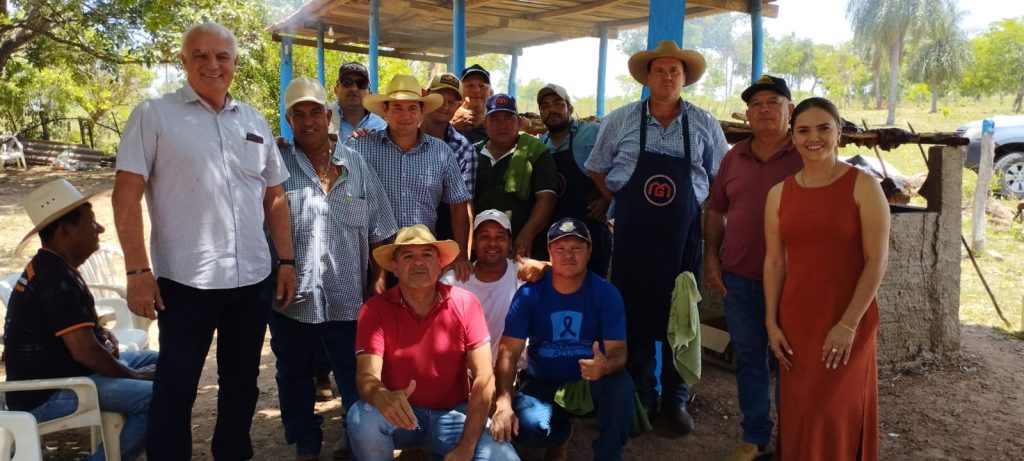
x=332, y=233
x=416, y=181
x=206, y=175
x=465, y=154
x=618, y=145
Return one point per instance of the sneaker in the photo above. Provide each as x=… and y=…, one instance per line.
x=749, y=452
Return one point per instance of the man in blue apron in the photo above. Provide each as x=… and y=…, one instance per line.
x=656, y=158
x=571, y=141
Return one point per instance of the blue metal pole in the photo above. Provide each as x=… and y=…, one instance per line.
x=320, y=70
x=756, y=41
x=665, y=22
x=286, y=78
x=602, y=70
x=458, y=36
x=512, y=74
x=374, y=42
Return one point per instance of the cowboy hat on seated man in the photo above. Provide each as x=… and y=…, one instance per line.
x=52, y=328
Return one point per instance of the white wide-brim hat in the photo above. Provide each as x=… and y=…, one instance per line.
x=49, y=202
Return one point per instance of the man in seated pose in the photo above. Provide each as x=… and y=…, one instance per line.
x=423, y=366
x=576, y=325
x=52, y=330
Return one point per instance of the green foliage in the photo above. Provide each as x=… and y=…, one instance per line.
x=790, y=58
x=999, y=61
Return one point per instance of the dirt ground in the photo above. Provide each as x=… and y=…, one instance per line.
x=967, y=408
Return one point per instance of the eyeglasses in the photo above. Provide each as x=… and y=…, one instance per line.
x=359, y=83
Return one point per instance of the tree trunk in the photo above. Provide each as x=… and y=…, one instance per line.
x=935, y=99
x=894, y=78
x=1020, y=97
x=45, y=125
x=878, y=89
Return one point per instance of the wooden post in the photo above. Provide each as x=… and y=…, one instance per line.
x=982, y=189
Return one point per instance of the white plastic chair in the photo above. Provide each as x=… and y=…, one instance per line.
x=20, y=435
x=103, y=275
x=105, y=426
x=129, y=336
x=105, y=314
x=11, y=149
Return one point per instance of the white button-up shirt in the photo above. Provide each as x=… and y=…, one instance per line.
x=206, y=175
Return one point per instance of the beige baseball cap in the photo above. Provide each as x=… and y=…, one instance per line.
x=304, y=89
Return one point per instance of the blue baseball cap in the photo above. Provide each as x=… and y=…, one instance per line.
x=501, y=102
x=566, y=227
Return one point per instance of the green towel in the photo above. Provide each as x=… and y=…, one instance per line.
x=684, y=328
x=575, y=397
x=520, y=166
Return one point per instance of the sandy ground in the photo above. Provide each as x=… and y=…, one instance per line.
x=968, y=408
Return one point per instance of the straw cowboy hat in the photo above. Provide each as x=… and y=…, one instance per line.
x=49, y=202
x=402, y=88
x=447, y=250
x=693, y=62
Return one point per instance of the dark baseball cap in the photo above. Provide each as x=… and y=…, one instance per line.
x=353, y=68
x=566, y=227
x=477, y=69
x=501, y=102
x=767, y=82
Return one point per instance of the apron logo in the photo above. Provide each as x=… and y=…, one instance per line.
x=660, y=190
x=560, y=186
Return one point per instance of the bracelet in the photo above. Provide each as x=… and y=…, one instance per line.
x=139, y=271
x=852, y=330
x=286, y=262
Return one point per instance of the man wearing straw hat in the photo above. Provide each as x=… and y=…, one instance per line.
x=339, y=211
x=423, y=361
x=52, y=330
x=656, y=158
x=418, y=171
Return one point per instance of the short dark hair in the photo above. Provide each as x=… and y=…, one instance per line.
x=388, y=106
x=47, y=233
x=820, y=103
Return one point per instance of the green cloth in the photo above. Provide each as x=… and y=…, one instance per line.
x=520, y=167
x=575, y=398
x=684, y=328
x=510, y=184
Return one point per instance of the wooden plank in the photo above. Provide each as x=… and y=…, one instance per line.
x=364, y=50
x=586, y=7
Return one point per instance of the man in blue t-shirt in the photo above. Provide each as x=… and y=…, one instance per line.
x=576, y=327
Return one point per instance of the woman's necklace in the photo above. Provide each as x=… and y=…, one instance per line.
x=825, y=180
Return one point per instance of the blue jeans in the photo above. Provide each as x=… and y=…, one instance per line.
x=129, y=397
x=187, y=323
x=542, y=423
x=295, y=345
x=373, y=438
x=744, y=312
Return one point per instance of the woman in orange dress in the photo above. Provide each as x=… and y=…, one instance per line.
x=827, y=241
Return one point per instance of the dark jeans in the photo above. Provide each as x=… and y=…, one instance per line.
x=295, y=344
x=641, y=362
x=744, y=312
x=187, y=324
x=542, y=423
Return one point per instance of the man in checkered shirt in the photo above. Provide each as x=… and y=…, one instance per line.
x=339, y=211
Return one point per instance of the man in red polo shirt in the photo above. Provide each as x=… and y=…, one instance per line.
x=422, y=350
x=734, y=253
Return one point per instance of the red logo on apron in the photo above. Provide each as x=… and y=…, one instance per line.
x=660, y=190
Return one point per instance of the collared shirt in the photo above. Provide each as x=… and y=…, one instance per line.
x=465, y=153
x=431, y=350
x=332, y=233
x=490, y=181
x=584, y=136
x=416, y=181
x=206, y=175
x=343, y=128
x=618, y=144
x=739, y=193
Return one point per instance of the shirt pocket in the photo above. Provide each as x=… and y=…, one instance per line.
x=252, y=157
x=353, y=212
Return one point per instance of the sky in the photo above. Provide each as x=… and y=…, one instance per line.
x=573, y=63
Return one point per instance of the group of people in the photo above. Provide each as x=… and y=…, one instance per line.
x=394, y=234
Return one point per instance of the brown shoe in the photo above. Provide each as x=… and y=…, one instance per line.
x=749, y=452
x=324, y=389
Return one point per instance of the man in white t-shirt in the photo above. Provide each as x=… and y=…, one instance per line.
x=494, y=280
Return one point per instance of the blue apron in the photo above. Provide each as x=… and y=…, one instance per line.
x=574, y=191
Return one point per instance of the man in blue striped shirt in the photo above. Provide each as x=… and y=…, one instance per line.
x=339, y=212
x=419, y=172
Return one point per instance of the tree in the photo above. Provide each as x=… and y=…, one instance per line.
x=999, y=62
x=790, y=57
x=942, y=56
x=891, y=24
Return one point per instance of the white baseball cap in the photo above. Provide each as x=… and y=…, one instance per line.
x=492, y=215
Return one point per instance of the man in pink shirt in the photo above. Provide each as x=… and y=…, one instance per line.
x=734, y=247
x=423, y=361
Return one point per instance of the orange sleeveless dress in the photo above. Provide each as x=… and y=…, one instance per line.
x=824, y=414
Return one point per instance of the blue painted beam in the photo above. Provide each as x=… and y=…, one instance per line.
x=458, y=37
x=512, y=74
x=756, y=41
x=665, y=22
x=321, y=71
x=602, y=70
x=374, y=43
x=286, y=78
